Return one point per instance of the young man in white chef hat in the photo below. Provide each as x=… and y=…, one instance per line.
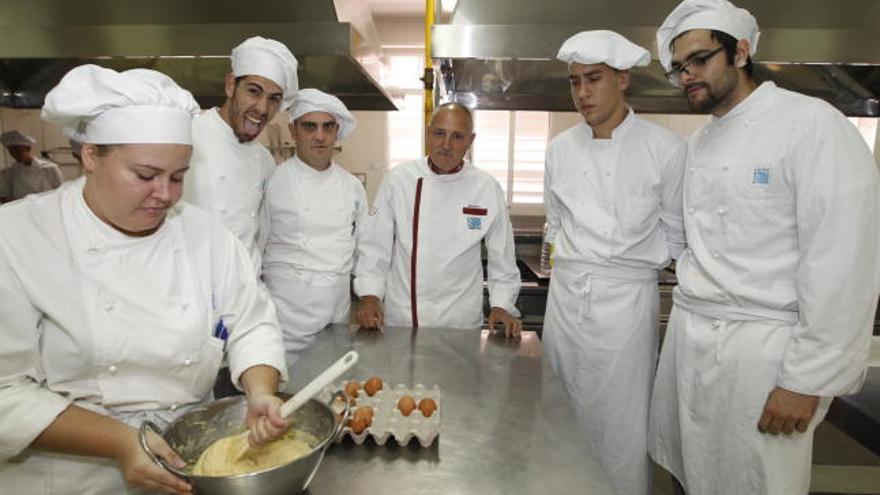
x=776, y=292
x=316, y=208
x=230, y=169
x=612, y=193
x=28, y=174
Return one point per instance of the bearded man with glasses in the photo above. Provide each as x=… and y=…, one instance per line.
x=774, y=309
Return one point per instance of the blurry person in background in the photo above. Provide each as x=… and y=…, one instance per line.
x=27, y=174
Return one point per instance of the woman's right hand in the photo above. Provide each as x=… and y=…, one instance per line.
x=141, y=472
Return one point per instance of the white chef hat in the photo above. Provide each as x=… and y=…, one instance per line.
x=313, y=100
x=603, y=47
x=718, y=15
x=258, y=56
x=16, y=138
x=101, y=106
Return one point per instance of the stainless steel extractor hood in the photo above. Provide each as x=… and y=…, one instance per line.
x=500, y=54
x=189, y=40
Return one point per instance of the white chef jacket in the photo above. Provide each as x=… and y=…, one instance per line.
x=614, y=213
x=228, y=179
x=456, y=213
x=615, y=202
x=777, y=288
x=18, y=180
x=314, y=218
x=781, y=214
x=117, y=324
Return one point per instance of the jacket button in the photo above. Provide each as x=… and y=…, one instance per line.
x=173, y=407
x=187, y=362
x=108, y=307
x=112, y=369
x=222, y=176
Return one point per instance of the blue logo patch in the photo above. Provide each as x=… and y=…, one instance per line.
x=475, y=223
x=761, y=176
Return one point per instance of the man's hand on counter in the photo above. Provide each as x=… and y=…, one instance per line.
x=512, y=325
x=369, y=313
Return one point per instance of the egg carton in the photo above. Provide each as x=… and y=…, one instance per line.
x=388, y=421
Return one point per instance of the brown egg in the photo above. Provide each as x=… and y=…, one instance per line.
x=364, y=413
x=406, y=404
x=373, y=385
x=352, y=387
x=358, y=425
x=427, y=406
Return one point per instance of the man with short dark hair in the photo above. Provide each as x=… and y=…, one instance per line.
x=775, y=304
x=420, y=248
x=230, y=168
x=28, y=174
x=612, y=193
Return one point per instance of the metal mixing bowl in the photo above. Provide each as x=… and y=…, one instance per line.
x=192, y=433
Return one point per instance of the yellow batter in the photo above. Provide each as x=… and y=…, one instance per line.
x=223, y=457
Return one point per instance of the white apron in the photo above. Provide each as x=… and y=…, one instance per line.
x=600, y=337
x=734, y=365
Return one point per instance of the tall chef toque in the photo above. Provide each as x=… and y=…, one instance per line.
x=267, y=58
x=718, y=15
x=101, y=106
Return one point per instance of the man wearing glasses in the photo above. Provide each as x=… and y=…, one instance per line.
x=773, y=312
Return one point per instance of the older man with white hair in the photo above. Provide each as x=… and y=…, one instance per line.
x=315, y=208
x=28, y=174
x=613, y=199
x=773, y=313
x=230, y=169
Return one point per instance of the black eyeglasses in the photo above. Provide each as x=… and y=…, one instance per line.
x=695, y=62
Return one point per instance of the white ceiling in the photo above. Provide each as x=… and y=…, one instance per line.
x=397, y=8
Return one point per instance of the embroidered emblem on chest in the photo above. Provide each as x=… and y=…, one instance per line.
x=761, y=175
x=475, y=223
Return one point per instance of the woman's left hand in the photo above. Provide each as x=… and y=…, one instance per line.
x=264, y=419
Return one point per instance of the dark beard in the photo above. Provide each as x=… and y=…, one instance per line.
x=707, y=104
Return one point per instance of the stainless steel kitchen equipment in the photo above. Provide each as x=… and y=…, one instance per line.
x=500, y=54
x=508, y=426
x=40, y=40
x=193, y=432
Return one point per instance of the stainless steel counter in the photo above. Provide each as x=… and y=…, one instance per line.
x=507, y=426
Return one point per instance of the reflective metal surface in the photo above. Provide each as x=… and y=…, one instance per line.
x=40, y=40
x=507, y=425
x=500, y=54
x=193, y=432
